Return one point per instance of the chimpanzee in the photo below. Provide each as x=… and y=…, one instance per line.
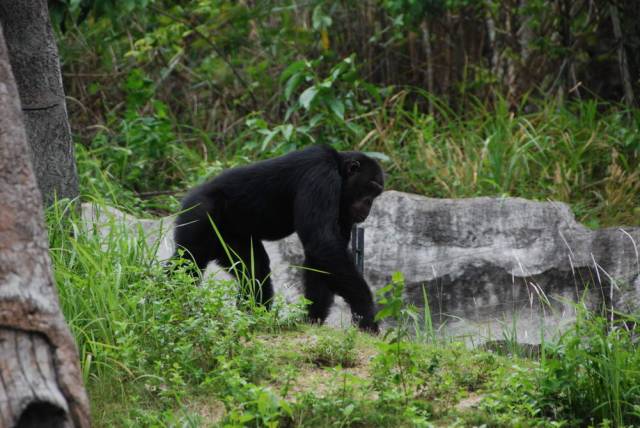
x=317, y=192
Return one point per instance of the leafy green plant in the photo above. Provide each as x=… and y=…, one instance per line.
x=144, y=155
x=249, y=404
x=160, y=335
x=424, y=329
x=391, y=298
x=426, y=376
x=333, y=350
x=321, y=109
x=343, y=407
x=589, y=376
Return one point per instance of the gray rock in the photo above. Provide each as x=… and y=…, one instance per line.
x=500, y=268
x=492, y=268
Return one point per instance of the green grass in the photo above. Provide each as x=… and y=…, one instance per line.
x=588, y=378
x=585, y=154
x=334, y=350
x=164, y=351
x=160, y=350
x=156, y=112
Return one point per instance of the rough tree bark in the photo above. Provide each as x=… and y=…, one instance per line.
x=426, y=41
x=36, y=67
x=622, y=56
x=40, y=380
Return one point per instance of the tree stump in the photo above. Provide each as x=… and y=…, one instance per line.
x=40, y=378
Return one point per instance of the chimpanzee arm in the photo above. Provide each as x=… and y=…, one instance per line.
x=316, y=214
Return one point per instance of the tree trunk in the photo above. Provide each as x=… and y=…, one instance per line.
x=495, y=46
x=40, y=380
x=34, y=60
x=426, y=41
x=622, y=56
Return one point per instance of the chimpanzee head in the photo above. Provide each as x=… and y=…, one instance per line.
x=362, y=182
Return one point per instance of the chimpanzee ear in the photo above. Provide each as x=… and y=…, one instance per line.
x=351, y=167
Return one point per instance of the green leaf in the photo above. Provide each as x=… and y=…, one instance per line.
x=335, y=74
x=337, y=107
x=267, y=140
x=384, y=313
x=265, y=402
x=397, y=277
x=373, y=91
x=316, y=119
x=292, y=109
x=286, y=407
x=294, y=68
x=135, y=80
x=246, y=417
x=355, y=128
x=291, y=85
x=287, y=131
x=306, y=98
x=256, y=123
x=319, y=19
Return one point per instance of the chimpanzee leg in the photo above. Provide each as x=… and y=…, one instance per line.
x=252, y=269
x=317, y=291
x=198, y=241
x=358, y=295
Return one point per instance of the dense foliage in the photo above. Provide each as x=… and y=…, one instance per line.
x=163, y=351
x=457, y=98
x=163, y=94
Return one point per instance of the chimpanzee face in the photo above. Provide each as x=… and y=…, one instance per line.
x=363, y=183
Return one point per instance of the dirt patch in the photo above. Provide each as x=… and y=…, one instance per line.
x=292, y=348
x=212, y=411
x=469, y=402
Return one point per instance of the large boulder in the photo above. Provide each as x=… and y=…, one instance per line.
x=491, y=268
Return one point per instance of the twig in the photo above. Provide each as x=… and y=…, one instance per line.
x=157, y=193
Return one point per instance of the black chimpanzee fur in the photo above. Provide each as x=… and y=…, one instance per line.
x=318, y=193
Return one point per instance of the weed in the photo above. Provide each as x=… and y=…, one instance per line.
x=155, y=336
x=588, y=377
x=333, y=350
